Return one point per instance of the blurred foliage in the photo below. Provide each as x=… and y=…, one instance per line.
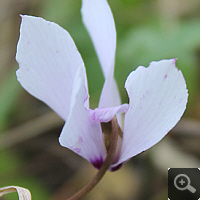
x=154, y=42
x=146, y=31
x=11, y=171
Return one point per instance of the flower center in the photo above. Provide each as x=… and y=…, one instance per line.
x=107, y=132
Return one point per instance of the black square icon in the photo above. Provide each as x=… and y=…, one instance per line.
x=184, y=184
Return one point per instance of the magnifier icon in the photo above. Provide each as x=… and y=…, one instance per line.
x=182, y=182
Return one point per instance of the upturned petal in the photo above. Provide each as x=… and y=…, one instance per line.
x=158, y=98
x=48, y=60
x=99, y=22
x=98, y=19
x=80, y=133
x=110, y=96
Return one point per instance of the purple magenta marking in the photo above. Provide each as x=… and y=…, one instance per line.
x=97, y=163
x=174, y=60
x=113, y=169
x=80, y=140
x=77, y=150
x=165, y=76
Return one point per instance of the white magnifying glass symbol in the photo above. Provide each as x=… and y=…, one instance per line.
x=182, y=184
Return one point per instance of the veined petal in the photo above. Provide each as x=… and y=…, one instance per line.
x=48, y=60
x=158, y=98
x=80, y=133
x=98, y=19
x=106, y=114
x=110, y=94
x=99, y=22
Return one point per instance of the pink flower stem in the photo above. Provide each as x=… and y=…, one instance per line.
x=113, y=144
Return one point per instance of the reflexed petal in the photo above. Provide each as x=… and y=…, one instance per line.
x=48, y=60
x=110, y=96
x=106, y=114
x=80, y=133
x=158, y=98
x=99, y=22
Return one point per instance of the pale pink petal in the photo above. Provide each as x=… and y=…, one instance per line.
x=158, y=98
x=110, y=96
x=98, y=19
x=48, y=60
x=106, y=114
x=80, y=133
x=99, y=22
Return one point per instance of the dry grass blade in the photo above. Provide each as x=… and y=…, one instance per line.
x=30, y=129
x=188, y=127
x=167, y=154
x=23, y=193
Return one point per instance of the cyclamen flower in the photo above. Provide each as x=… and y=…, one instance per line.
x=52, y=70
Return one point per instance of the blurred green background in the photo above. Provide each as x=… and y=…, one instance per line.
x=147, y=30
